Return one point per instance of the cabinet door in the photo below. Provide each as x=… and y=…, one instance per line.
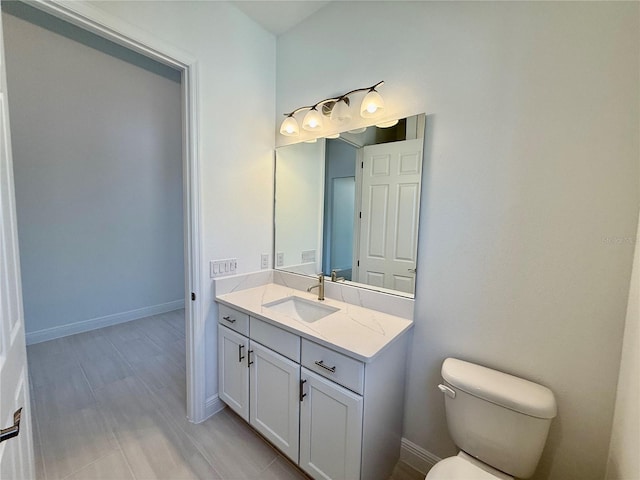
x=274, y=398
x=233, y=374
x=330, y=429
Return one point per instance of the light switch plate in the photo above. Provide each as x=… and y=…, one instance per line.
x=308, y=256
x=219, y=268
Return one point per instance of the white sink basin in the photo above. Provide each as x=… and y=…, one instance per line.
x=301, y=308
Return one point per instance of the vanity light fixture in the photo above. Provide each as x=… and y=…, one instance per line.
x=388, y=124
x=312, y=120
x=341, y=113
x=337, y=109
x=372, y=104
x=290, y=126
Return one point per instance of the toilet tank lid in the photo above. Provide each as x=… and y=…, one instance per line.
x=500, y=388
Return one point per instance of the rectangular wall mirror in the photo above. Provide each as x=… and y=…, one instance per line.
x=350, y=205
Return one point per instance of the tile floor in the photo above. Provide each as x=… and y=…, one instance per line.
x=110, y=404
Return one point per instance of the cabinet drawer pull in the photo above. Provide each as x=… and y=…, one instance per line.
x=249, y=362
x=302, y=394
x=322, y=365
x=229, y=319
x=240, y=356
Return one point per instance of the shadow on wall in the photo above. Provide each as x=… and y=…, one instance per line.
x=554, y=438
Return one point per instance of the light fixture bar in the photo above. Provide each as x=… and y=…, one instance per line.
x=335, y=99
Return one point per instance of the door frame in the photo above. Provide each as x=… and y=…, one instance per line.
x=116, y=30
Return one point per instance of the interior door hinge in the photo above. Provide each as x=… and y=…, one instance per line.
x=358, y=263
x=361, y=164
x=360, y=215
x=193, y=296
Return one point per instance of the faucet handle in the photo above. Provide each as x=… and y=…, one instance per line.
x=335, y=277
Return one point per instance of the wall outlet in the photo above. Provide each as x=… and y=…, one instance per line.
x=218, y=268
x=264, y=261
x=280, y=259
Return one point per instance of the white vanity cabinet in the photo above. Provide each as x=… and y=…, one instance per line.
x=258, y=383
x=274, y=398
x=233, y=374
x=335, y=416
x=330, y=429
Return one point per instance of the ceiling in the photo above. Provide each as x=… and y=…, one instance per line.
x=280, y=16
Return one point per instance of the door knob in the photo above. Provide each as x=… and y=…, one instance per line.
x=412, y=270
x=13, y=431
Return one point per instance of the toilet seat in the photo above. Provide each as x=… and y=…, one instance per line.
x=464, y=467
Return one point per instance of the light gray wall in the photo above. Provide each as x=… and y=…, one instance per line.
x=531, y=164
x=98, y=175
x=624, y=463
x=236, y=108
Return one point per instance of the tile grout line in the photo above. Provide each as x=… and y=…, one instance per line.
x=145, y=385
x=194, y=441
x=34, y=416
x=106, y=424
x=102, y=415
x=161, y=347
x=184, y=316
x=97, y=460
x=44, y=466
x=133, y=371
x=133, y=368
x=155, y=396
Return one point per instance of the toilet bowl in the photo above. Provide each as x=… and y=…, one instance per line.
x=464, y=466
x=500, y=423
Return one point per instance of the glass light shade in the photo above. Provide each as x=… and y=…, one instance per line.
x=341, y=112
x=289, y=127
x=312, y=120
x=335, y=135
x=388, y=124
x=372, y=104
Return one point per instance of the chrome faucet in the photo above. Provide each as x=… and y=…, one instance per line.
x=319, y=286
x=335, y=277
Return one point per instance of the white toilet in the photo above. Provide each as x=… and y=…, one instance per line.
x=499, y=422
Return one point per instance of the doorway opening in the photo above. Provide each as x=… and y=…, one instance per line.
x=184, y=67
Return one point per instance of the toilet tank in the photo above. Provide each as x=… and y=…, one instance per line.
x=497, y=418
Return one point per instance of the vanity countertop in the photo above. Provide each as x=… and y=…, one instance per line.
x=353, y=330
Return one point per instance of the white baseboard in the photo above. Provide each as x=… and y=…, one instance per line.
x=94, y=323
x=417, y=457
x=213, y=405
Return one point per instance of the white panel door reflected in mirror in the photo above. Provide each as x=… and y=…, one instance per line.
x=351, y=205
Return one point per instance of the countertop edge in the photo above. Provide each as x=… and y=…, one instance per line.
x=317, y=340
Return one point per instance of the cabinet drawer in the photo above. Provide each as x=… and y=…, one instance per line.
x=283, y=342
x=333, y=365
x=233, y=319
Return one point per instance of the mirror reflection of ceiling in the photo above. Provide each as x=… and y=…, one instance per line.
x=351, y=206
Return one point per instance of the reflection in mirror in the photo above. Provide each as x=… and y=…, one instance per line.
x=351, y=205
